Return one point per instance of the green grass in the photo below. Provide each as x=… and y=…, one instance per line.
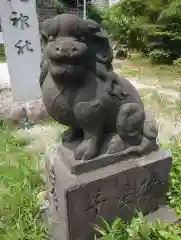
x=20, y=182
x=160, y=103
x=149, y=74
x=139, y=228
x=174, y=195
x=153, y=96
x=178, y=106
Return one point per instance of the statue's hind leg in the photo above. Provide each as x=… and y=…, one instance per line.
x=130, y=121
x=90, y=117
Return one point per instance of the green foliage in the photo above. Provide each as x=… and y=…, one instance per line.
x=2, y=51
x=174, y=195
x=177, y=64
x=113, y=231
x=20, y=182
x=151, y=26
x=159, y=56
x=138, y=229
x=94, y=13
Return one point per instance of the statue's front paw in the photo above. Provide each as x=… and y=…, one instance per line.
x=87, y=150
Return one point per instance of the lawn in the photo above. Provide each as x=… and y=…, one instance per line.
x=20, y=182
x=147, y=73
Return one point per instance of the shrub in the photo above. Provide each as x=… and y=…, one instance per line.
x=151, y=26
x=94, y=13
x=2, y=50
x=177, y=64
x=138, y=229
x=174, y=195
x=160, y=56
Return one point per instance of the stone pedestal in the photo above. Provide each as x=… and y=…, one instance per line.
x=118, y=190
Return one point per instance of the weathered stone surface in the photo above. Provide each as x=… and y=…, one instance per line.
x=16, y=112
x=66, y=154
x=164, y=214
x=120, y=189
x=36, y=111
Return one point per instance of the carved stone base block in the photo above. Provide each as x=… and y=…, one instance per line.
x=118, y=190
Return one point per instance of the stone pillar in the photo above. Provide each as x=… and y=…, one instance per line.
x=20, y=28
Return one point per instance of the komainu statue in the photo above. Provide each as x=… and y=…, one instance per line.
x=103, y=111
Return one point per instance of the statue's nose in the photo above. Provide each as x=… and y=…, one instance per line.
x=58, y=49
x=66, y=49
x=74, y=49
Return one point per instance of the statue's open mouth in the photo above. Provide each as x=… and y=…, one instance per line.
x=65, y=70
x=68, y=61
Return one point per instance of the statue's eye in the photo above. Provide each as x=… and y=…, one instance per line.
x=50, y=38
x=82, y=39
x=74, y=49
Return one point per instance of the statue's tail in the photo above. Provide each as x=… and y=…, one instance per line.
x=130, y=118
